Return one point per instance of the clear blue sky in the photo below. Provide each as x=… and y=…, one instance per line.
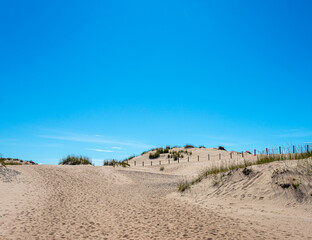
x=109, y=79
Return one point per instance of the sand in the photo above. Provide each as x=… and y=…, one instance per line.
x=87, y=202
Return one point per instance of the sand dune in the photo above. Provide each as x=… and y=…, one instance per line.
x=86, y=202
x=210, y=155
x=275, y=196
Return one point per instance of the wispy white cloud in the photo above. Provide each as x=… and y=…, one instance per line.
x=95, y=139
x=118, y=148
x=100, y=150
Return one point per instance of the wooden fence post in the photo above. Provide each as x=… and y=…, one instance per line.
x=142, y=164
x=159, y=162
x=280, y=150
x=267, y=151
x=208, y=157
x=169, y=161
x=293, y=148
x=255, y=152
x=178, y=159
x=134, y=163
x=151, y=163
x=197, y=158
x=308, y=148
x=188, y=159
x=219, y=156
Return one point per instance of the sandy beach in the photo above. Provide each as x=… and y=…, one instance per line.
x=87, y=202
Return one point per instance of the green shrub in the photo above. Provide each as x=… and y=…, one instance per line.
x=75, y=160
x=116, y=163
x=175, y=155
x=110, y=163
x=158, y=152
x=162, y=168
x=221, y=148
x=154, y=155
x=188, y=146
x=123, y=164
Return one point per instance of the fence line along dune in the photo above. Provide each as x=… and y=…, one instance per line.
x=185, y=155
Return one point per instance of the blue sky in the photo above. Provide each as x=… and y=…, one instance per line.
x=109, y=79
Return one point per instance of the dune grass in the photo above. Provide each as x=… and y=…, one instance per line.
x=301, y=153
x=1, y=160
x=183, y=185
x=116, y=163
x=4, y=163
x=158, y=152
x=75, y=160
x=12, y=163
x=262, y=159
x=189, y=146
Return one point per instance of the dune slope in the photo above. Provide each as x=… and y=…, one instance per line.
x=86, y=202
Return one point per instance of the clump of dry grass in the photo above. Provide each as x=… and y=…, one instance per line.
x=183, y=185
x=116, y=163
x=75, y=160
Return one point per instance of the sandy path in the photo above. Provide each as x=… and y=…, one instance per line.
x=85, y=202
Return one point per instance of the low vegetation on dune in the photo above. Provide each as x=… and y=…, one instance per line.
x=1, y=161
x=221, y=148
x=158, y=151
x=302, y=153
x=178, y=154
x=171, y=153
x=75, y=160
x=116, y=163
x=188, y=146
x=11, y=163
x=14, y=161
x=267, y=158
x=155, y=152
x=183, y=185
